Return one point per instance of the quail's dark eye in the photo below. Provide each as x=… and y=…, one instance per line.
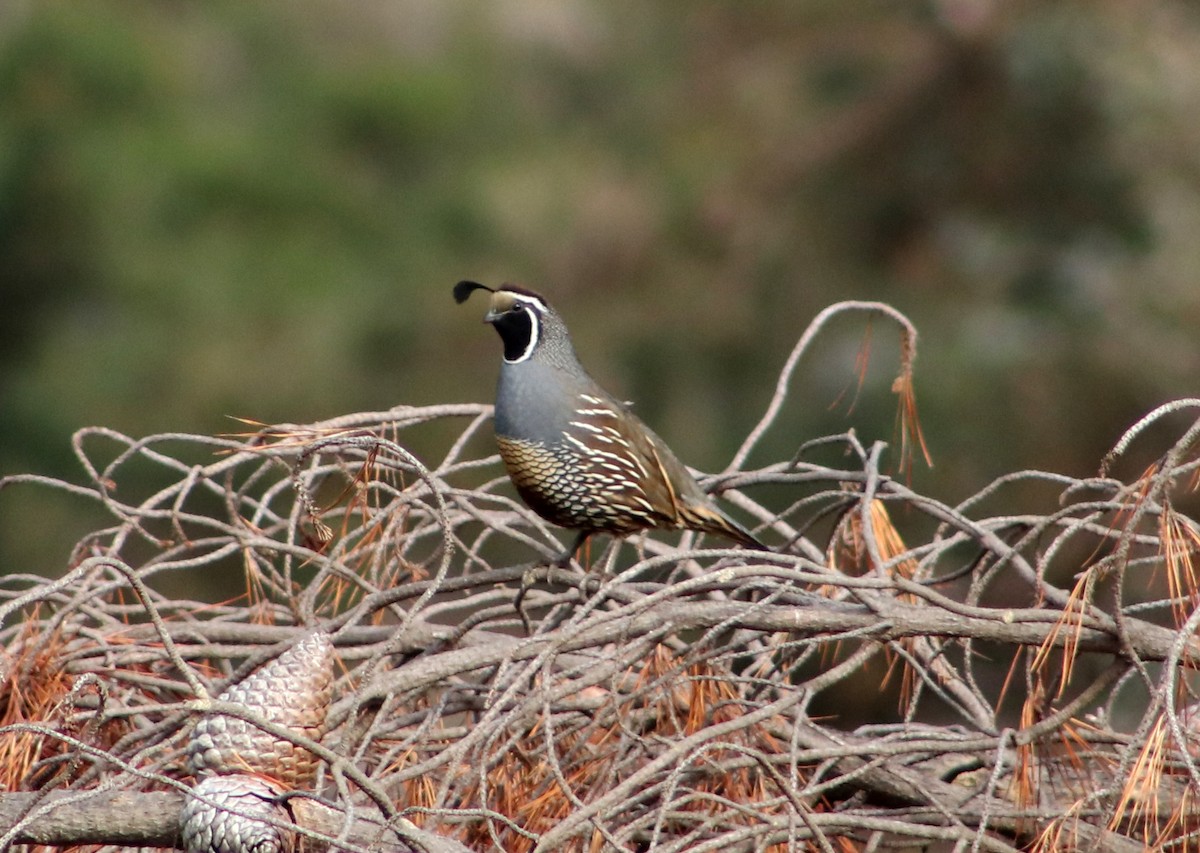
x=516, y=308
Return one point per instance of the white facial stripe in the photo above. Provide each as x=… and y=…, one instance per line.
x=535, y=329
x=526, y=299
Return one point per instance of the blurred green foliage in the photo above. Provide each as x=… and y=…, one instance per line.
x=258, y=210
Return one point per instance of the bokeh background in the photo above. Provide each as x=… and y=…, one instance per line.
x=258, y=209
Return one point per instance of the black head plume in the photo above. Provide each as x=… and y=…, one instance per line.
x=464, y=289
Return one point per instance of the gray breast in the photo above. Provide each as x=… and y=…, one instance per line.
x=534, y=402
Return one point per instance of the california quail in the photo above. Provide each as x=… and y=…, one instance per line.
x=577, y=456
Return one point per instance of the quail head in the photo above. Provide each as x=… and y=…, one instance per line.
x=577, y=456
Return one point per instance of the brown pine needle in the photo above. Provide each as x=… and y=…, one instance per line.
x=848, y=553
x=862, y=360
x=1138, y=803
x=908, y=421
x=1179, y=541
x=1070, y=621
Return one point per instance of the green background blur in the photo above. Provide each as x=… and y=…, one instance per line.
x=258, y=209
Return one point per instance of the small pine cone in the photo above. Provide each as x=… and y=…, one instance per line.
x=212, y=829
x=294, y=690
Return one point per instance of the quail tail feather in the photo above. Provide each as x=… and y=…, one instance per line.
x=710, y=519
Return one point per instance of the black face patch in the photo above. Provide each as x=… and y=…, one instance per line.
x=518, y=329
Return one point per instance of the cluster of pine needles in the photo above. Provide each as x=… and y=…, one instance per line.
x=1011, y=672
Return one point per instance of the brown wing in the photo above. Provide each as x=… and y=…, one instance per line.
x=620, y=464
x=598, y=476
x=610, y=472
x=672, y=490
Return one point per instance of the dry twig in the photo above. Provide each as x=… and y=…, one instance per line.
x=688, y=698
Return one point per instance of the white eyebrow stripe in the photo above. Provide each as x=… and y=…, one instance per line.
x=526, y=299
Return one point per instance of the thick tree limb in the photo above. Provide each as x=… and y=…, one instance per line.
x=151, y=819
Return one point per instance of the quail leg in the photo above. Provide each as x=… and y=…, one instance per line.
x=536, y=573
x=528, y=579
x=565, y=559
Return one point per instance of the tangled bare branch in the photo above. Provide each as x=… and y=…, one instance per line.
x=993, y=677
